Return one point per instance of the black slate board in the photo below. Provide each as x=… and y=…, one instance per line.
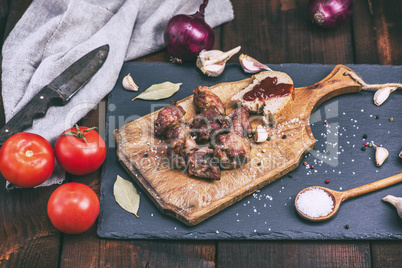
x=269, y=213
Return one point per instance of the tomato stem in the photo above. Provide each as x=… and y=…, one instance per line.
x=79, y=134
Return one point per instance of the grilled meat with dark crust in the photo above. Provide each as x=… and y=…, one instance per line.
x=204, y=99
x=232, y=150
x=180, y=143
x=202, y=164
x=240, y=123
x=167, y=117
x=209, y=122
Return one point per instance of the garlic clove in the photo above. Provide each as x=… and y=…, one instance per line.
x=214, y=70
x=212, y=62
x=380, y=155
x=129, y=84
x=396, y=202
x=382, y=94
x=260, y=135
x=251, y=65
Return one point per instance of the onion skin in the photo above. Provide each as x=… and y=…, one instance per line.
x=330, y=13
x=186, y=36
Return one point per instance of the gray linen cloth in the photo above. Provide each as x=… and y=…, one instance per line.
x=52, y=34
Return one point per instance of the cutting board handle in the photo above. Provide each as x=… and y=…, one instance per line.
x=336, y=83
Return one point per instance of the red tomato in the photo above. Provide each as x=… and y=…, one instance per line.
x=73, y=208
x=26, y=159
x=80, y=150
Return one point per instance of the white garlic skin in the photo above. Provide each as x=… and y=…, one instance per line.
x=396, y=202
x=129, y=84
x=382, y=95
x=213, y=62
x=381, y=154
x=260, y=135
x=251, y=65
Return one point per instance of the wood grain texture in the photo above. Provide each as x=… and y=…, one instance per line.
x=173, y=254
x=26, y=229
x=377, y=32
x=276, y=31
x=293, y=254
x=386, y=253
x=193, y=200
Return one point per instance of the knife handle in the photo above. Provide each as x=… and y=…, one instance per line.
x=36, y=108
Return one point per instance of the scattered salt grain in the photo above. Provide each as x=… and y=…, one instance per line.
x=315, y=202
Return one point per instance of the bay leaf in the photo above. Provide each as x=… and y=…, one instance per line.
x=126, y=195
x=159, y=91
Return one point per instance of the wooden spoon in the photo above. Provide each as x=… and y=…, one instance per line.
x=339, y=197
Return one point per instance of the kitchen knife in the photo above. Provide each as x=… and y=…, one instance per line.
x=57, y=93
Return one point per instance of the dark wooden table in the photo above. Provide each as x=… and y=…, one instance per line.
x=272, y=31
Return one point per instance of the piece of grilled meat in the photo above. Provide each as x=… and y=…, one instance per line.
x=209, y=123
x=204, y=99
x=180, y=144
x=233, y=149
x=201, y=164
x=211, y=117
x=240, y=123
x=167, y=117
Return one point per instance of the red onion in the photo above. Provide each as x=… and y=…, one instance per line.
x=330, y=13
x=186, y=35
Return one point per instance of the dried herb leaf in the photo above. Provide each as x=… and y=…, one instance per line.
x=126, y=195
x=159, y=91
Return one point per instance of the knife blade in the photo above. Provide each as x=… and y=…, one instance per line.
x=56, y=93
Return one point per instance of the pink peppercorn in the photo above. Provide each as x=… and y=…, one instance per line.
x=366, y=144
x=312, y=166
x=327, y=181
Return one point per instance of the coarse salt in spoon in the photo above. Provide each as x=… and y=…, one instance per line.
x=318, y=203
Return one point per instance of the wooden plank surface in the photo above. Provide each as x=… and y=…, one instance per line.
x=273, y=31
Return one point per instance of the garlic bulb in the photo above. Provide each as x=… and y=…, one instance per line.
x=128, y=83
x=396, y=202
x=382, y=94
x=380, y=155
x=212, y=62
x=251, y=65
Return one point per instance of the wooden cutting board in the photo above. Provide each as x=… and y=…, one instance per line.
x=192, y=200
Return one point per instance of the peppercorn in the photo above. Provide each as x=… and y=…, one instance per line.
x=312, y=166
x=391, y=119
x=364, y=136
x=326, y=181
x=363, y=148
x=290, y=175
x=326, y=122
x=366, y=144
x=269, y=138
x=146, y=154
x=377, y=117
x=370, y=145
x=347, y=226
x=259, y=164
x=284, y=136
